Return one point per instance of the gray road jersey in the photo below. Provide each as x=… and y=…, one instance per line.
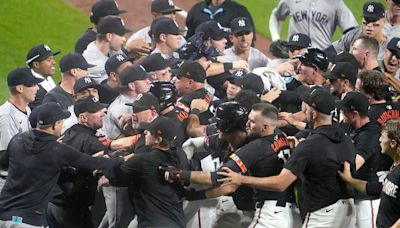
x=256, y=58
x=94, y=56
x=111, y=127
x=144, y=34
x=391, y=31
x=316, y=18
x=12, y=122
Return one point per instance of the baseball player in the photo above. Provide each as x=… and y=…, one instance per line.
x=315, y=18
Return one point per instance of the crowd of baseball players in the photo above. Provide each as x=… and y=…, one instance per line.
x=194, y=127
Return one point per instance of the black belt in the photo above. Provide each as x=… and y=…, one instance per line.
x=278, y=204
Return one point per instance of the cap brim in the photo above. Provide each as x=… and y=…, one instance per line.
x=242, y=30
x=168, y=11
x=147, y=127
x=121, y=11
x=90, y=65
x=65, y=114
x=98, y=108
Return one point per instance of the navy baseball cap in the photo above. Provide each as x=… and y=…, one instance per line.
x=316, y=58
x=84, y=83
x=22, y=76
x=163, y=6
x=133, y=73
x=394, y=45
x=249, y=81
x=39, y=53
x=145, y=101
x=155, y=62
x=112, y=24
x=373, y=11
x=161, y=126
x=72, y=61
x=320, y=99
x=104, y=8
x=192, y=70
x=241, y=24
x=397, y=2
x=343, y=70
x=88, y=104
x=50, y=112
x=164, y=25
x=213, y=30
x=299, y=40
x=354, y=101
x=114, y=62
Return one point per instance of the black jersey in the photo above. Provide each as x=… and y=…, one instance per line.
x=60, y=96
x=316, y=161
x=381, y=113
x=183, y=105
x=84, y=40
x=389, y=208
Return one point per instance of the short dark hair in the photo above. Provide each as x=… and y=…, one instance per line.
x=247, y=98
x=267, y=110
x=101, y=36
x=374, y=82
x=369, y=43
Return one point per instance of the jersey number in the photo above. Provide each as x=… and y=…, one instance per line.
x=284, y=155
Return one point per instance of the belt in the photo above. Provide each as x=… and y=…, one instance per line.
x=278, y=204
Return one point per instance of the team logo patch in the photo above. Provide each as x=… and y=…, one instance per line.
x=370, y=8
x=47, y=48
x=170, y=3
x=295, y=38
x=87, y=80
x=120, y=57
x=241, y=23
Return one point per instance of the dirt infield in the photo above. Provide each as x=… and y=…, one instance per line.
x=138, y=15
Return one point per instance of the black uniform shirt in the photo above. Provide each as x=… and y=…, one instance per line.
x=36, y=159
x=60, y=96
x=316, y=161
x=107, y=94
x=389, y=208
x=38, y=98
x=381, y=113
x=84, y=40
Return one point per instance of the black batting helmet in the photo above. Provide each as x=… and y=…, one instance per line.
x=230, y=116
x=165, y=92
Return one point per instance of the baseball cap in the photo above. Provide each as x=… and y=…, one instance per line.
x=22, y=76
x=344, y=56
x=88, y=104
x=250, y=81
x=112, y=25
x=104, y=8
x=50, y=112
x=133, y=73
x=164, y=25
x=145, y=101
x=320, y=99
x=212, y=29
x=241, y=24
x=155, y=62
x=163, y=6
x=354, y=101
x=39, y=53
x=397, y=2
x=373, y=11
x=74, y=60
x=84, y=83
x=343, y=70
x=192, y=70
x=315, y=57
x=394, y=45
x=161, y=126
x=114, y=62
x=299, y=40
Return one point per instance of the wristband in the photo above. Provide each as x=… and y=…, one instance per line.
x=195, y=111
x=184, y=175
x=227, y=66
x=196, y=195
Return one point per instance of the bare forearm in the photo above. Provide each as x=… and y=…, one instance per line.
x=359, y=185
x=215, y=69
x=198, y=177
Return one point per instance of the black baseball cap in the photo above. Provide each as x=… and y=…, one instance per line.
x=344, y=56
x=163, y=6
x=212, y=29
x=133, y=73
x=112, y=25
x=249, y=81
x=50, y=112
x=88, y=104
x=161, y=126
x=316, y=58
x=343, y=70
x=104, y=8
x=155, y=62
x=145, y=101
x=84, y=83
x=394, y=45
x=114, y=62
x=22, y=76
x=373, y=11
x=320, y=99
x=72, y=61
x=39, y=53
x=192, y=70
x=164, y=25
x=241, y=24
x=397, y=2
x=299, y=40
x=354, y=101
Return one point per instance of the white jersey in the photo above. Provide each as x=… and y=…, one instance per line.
x=47, y=83
x=144, y=34
x=12, y=122
x=111, y=127
x=94, y=56
x=315, y=18
x=256, y=58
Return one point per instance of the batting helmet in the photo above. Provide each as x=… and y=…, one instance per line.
x=230, y=116
x=165, y=92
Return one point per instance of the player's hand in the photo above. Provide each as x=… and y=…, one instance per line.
x=287, y=116
x=286, y=67
x=293, y=141
x=103, y=182
x=228, y=188
x=169, y=173
x=200, y=104
x=126, y=157
x=204, y=62
x=98, y=154
x=240, y=64
x=138, y=48
x=345, y=174
x=230, y=177
x=271, y=95
x=60, y=139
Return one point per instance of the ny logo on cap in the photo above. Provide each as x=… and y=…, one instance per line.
x=295, y=38
x=241, y=23
x=95, y=100
x=139, y=96
x=87, y=80
x=46, y=47
x=398, y=44
x=170, y=2
x=370, y=8
x=239, y=73
x=120, y=57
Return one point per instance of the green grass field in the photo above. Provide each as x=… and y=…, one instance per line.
x=25, y=23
